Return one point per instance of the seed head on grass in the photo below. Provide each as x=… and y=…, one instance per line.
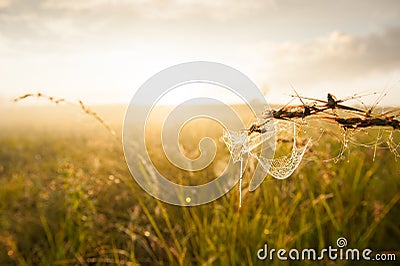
x=79, y=104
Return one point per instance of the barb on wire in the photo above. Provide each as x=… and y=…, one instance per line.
x=243, y=143
x=353, y=118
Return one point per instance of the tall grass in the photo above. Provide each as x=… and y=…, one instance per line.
x=69, y=199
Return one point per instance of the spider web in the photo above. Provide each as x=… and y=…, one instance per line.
x=242, y=144
x=284, y=166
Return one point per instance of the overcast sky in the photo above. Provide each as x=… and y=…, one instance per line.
x=101, y=51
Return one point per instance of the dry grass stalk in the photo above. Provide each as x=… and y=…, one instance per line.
x=80, y=104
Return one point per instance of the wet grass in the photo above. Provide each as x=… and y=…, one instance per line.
x=67, y=197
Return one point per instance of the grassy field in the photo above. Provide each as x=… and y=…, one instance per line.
x=67, y=197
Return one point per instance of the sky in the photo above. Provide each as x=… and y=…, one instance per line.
x=101, y=51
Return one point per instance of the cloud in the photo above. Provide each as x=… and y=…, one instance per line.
x=4, y=3
x=99, y=21
x=52, y=42
x=337, y=56
x=46, y=25
x=130, y=11
x=218, y=9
